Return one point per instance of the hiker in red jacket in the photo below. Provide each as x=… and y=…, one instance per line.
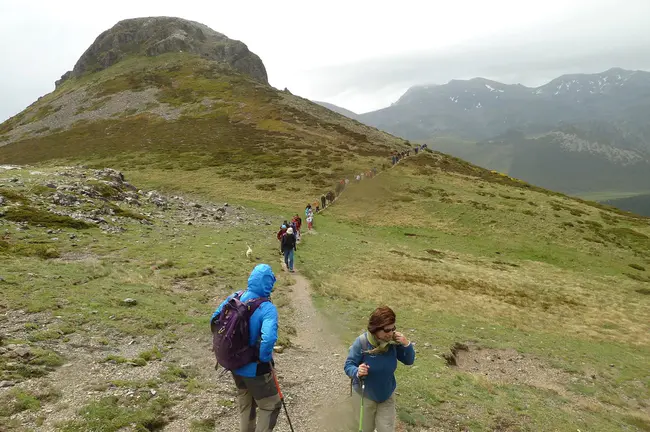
x=298, y=222
x=280, y=233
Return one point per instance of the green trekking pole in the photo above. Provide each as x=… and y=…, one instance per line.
x=363, y=387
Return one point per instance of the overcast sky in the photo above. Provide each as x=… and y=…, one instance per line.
x=358, y=54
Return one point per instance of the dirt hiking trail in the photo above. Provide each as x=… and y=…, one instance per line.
x=316, y=390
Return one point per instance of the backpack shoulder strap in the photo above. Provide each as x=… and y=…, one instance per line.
x=253, y=304
x=363, y=339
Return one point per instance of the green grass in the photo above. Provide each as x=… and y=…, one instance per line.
x=36, y=216
x=499, y=279
x=44, y=251
x=113, y=413
x=40, y=363
x=152, y=354
x=17, y=400
x=206, y=425
x=13, y=196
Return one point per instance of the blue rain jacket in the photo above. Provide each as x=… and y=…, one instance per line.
x=263, y=324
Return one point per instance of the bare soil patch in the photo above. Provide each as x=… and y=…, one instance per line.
x=507, y=366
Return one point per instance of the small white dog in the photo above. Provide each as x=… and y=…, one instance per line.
x=249, y=252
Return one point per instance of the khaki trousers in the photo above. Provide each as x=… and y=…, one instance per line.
x=258, y=392
x=376, y=416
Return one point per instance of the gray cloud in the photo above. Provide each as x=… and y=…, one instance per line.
x=600, y=40
x=531, y=68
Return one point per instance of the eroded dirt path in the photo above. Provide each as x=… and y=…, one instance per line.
x=311, y=372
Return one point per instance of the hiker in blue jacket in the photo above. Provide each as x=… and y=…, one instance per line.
x=373, y=358
x=254, y=381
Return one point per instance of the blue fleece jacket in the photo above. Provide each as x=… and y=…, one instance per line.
x=263, y=324
x=380, y=381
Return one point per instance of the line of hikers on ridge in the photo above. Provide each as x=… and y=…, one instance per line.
x=245, y=330
x=288, y=245
x=397, y=156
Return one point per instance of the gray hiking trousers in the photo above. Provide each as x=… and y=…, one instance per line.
x=258, y=392
x=378, y=417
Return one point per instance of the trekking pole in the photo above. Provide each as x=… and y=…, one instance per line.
x=277, y=386
x=363, y=388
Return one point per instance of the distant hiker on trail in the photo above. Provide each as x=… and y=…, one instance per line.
x=283, y=229
x=257, y=395
x=330, y=197
x=293, y=229
x=310, y=221
x=323, y=201
x=372, y=361
x=307, y=209
x=288, y=248
x=339, y=187
x=297, y=222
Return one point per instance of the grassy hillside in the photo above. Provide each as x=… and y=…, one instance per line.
x=467, y=259
x=529, y=308
x=178, y=111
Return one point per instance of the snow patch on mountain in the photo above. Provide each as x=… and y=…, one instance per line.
x=573, y=143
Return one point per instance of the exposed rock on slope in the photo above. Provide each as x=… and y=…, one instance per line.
x=158, y=35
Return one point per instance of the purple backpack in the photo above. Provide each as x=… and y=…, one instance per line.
x=230, y=333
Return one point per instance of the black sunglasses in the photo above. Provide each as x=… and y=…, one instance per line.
x=388, y=330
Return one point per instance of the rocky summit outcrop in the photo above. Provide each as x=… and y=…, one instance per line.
x=158, y=35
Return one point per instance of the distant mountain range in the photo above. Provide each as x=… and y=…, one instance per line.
x=578, y=133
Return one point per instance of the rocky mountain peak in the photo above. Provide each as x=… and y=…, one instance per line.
x=153, y=36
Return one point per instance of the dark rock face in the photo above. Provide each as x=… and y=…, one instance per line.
x=157, y=35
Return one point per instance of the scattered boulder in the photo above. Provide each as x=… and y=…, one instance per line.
x=129, y=302
x=64, y=200
x=23, y=351
x=157, y=199
x=110, y=174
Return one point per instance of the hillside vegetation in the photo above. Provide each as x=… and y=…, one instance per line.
x=178, y=111
x=528, y=308
x=547, y=297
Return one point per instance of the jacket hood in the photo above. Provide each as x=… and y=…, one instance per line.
x=261, y=280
